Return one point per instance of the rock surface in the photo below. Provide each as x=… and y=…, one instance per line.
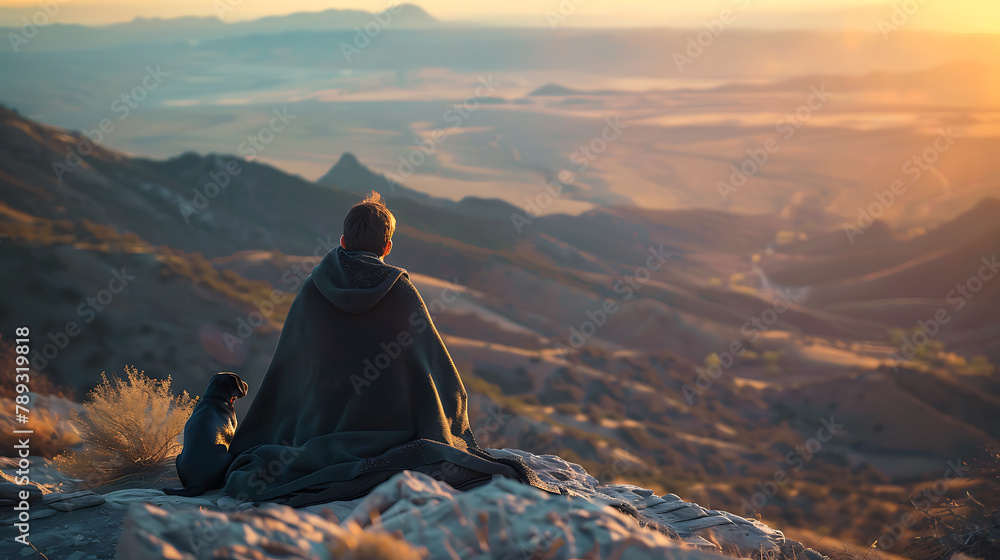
x=503, y=519
x=10, y=493
x=73, y=501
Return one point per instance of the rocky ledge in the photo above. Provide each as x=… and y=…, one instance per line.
x=502, y=519
x=415, y=516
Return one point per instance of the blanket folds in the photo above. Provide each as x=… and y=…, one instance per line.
x=359, y=388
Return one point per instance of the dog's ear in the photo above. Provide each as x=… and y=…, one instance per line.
x=239, y=386
x=235, y=387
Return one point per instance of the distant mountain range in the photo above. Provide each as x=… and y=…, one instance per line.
x=58, y=36
x=412, y=38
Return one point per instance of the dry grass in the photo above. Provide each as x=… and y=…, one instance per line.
x=359, y=544
x=39, y=383
x=850, y=553
x=52, y=434
x=129, y=427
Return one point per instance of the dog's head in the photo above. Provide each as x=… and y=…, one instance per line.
x=227, y=385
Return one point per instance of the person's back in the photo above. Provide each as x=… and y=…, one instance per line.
x=359, y=387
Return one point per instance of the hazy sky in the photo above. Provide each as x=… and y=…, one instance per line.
x=948, y=15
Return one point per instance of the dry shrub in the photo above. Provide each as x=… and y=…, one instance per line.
x=965, y=526
x=969, y=525
x=129, y=427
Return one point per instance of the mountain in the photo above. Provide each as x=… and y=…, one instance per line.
x=59, y=36
x=349, y=171
x=900, y=282
x=606, y=338
x=398, y=16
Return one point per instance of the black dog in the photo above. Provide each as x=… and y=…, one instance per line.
x=203, y=462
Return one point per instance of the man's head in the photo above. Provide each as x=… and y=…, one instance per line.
x=369, y=226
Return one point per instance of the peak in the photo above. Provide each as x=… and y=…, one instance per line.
x=347, y=161
x=412, y=10
x=351, y=175
x=411, y=7
x=350, y=172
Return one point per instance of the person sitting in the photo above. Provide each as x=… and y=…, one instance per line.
x=360, y=387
